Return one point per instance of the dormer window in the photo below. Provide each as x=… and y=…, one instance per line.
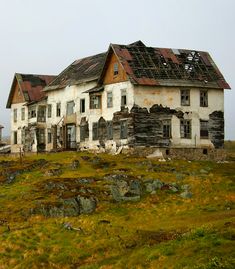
x=115, y=69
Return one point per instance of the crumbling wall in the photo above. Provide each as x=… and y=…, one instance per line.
x=216, y=128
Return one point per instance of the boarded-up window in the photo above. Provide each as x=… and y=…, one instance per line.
x=123, y=98
x=185, y=97
x=166, y=128
x=123, y=129
x=23, y=113
x=95, y=101
x=82, y=106
x=185, y=128
x=49, y=110
x=109, y=99
x=58, y=109
x=70, y=108
x=115, y=69
x=204, y=98
x=15, y=137
x=204, y=129
x=15, y=114
x=109, y=130
x=95, y=131
x=49, y=136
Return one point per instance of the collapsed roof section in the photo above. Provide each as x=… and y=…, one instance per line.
x=167, y=67
x=82, y=70
x=31, y=87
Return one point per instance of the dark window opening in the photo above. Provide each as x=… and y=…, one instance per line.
x=185, y=97
x=49, y=110
x=95, y=131
x=167, y=152
x=123, y=98
x=82, y=105
x=15, y=137
x=109, y=130
x=49, y=136
x=41, y=113
x=166, y=128
x=32, y=112
x=205, y=151
x=185, y=128
x=109, y=99
x=23, y=113
x=204, y=133
x=58, y=109
x=123, y=129
x=203, y=98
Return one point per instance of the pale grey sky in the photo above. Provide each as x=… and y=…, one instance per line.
x=44, y=37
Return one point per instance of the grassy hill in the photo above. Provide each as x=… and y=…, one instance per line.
x=78, y=210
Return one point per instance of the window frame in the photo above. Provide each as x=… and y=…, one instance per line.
x=186, y=129
x=203, y=98
x=15, y=115
x=49, y=110
x=185, y=97
x=93, y=97
x=123, y=129
x=82, y=105
x=23, y=113
x=58, y=109
x=70, y=105
x=204, y=130
x=109, y=99
x=166, y=128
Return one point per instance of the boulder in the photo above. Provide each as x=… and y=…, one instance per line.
x=186, y=195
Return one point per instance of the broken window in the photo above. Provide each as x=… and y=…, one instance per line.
x=58, y=109
x=41, y=114
x=109, y=99
x=95, y=131
x=15, y=114
x=82, y=106
x=15, y=137
x=49, y=110
x=204, y=98
x=123, y=98
x=70, y=108
x=185, y=128
x=115, y=69
x=32, y=112
x=22, y=113
x=123, y=129
x=166, y=128
x=49, y=136
x=95, y=101
x=109, y=130
x=204, y=129
x=185, y=97
x=84, y=129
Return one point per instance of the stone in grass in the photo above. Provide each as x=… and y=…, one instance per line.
x=87, y=204
x=186, y=195
x=75, y=164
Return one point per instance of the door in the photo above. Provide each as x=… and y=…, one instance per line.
x=71, y=136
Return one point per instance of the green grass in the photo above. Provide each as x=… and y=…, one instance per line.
x=162, y=230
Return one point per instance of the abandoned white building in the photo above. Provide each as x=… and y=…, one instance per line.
x=132, y=96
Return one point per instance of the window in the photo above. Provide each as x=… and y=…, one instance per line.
x=204, y=98
x=95, y=131
x=42, y=114
x=123, y=129
x=32, y=112
x=123, y=98
x=166, y=128
x=49, y=111
x=204, y=129
x=15, y=137
x=15, y=114
x=70, y=108
x=185, y=97
x=185, y=128
x=109, y=130
x=49, y=136
x=115, y=69
x=82, y=106
x=41, y=136
x=22, y=113
x=109, y=99
x=95, y=101
x=58, y=109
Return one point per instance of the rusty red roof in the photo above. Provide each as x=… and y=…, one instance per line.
x=31, y=86
x=168, y=67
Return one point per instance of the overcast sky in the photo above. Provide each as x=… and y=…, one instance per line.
x=44, y=37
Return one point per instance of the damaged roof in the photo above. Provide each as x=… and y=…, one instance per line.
x=167, y=67
x=82, y=70
x=31, y=86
